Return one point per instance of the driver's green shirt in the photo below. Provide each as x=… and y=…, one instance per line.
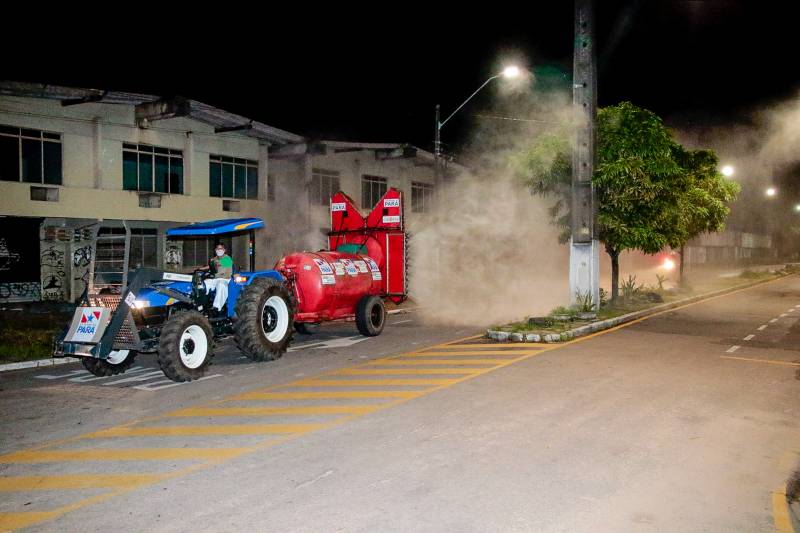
x=223, y=265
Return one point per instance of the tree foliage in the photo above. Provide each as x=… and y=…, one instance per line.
x=652, y=192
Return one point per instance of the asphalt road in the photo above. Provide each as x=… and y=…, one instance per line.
x=658, y=426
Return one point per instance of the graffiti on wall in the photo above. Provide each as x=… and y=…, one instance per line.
x=82, y=256
x=7, y=257
x=173, y=256
x=53, y=274
x=26, y=290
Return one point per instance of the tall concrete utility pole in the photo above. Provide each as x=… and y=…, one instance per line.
x=584, y=256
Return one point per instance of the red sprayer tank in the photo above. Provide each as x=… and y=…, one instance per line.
x=367, y=257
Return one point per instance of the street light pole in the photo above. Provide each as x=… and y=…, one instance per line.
x=584, y=256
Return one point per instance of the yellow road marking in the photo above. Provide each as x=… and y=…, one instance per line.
x=476, y=353
x=112, y=454
x=767, y=361
x=368, y=382
x=410, y=362
x=327, y=395
x=488, y=346
x=10, y=521
x=221, y=429
x=75, y=481
x=267, y=411
x=780, y=512
x=402, y=371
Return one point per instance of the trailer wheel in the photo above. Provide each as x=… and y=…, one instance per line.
x=370, y=316
x=262, y=327
x=186, y=346
x=118, y=362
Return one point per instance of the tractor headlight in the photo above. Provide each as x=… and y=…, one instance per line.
x=240, y=279
x=141, y=304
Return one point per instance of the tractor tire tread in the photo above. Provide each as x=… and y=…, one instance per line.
x=246, y=333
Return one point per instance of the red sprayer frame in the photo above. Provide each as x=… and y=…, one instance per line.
x=381, y=235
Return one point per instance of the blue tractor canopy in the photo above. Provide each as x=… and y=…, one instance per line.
x=225, y=226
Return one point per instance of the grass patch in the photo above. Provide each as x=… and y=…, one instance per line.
x=26, y=335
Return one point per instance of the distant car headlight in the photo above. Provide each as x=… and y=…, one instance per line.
x=239, y=279
x=141, y=304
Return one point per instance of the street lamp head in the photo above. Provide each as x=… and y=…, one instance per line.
x=727, y=171
x=797, y=208
x=771, y=191
x=511, y=72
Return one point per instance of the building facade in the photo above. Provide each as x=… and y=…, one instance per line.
x=91, y=180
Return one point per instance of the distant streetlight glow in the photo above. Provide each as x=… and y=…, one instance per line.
x=727, y=171
x=771, y=191
x=668, y=264
x=511, y=71
x=797, y=208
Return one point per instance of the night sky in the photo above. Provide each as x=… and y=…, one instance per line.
x=375, y=73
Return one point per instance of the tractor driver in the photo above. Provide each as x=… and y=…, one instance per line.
x=221, y=264
x=222, y=267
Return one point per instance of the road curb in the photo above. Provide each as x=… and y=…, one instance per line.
x=36, y=363
x=600, y=325
x=785, y=513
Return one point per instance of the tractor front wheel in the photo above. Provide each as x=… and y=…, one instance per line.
x=186, y=346
x=370, y=316
x=262, y=327
x=118, y=361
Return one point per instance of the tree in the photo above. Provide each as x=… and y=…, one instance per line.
x=704, y=207
x=643, y=190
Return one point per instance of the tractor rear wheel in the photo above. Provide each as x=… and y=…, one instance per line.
x=262, y=327
x=370, y=316
x=118, y=361
x=186, y=346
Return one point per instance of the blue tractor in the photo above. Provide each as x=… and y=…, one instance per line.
x=172, y=314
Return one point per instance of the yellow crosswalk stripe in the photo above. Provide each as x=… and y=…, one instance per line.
x=368, y=382
x=75, y=481
x=328, y=395
x=414, y=362
x=487, y=346
x=477, y=353
x=11, y=521
x=122, y=454
x=267, y=411
x=220, y=429
x=402, y=371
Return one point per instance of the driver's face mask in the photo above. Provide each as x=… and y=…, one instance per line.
x=220, y=253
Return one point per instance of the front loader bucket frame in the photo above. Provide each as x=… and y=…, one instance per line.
x=122, y=314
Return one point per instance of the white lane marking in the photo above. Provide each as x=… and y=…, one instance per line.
x=90, y=377
x=732, y=349
x=762, y=328
x=400, y=322
x=343, y=342
x=773, y=320
x=157, y=385
x=38, y=363
x=61, y=376
x=749, y=337
x=141, y=377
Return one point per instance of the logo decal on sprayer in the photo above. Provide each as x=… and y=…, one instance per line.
x=338, y=206
x=324, y=267
x=391, y=202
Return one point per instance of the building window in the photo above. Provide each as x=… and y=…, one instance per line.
x=31, y=156
x=232, y=177
x=372, y=189
x=197, y=252
x=421, y=197
x=144, y=243
x=152, y=169
x=324, y=184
